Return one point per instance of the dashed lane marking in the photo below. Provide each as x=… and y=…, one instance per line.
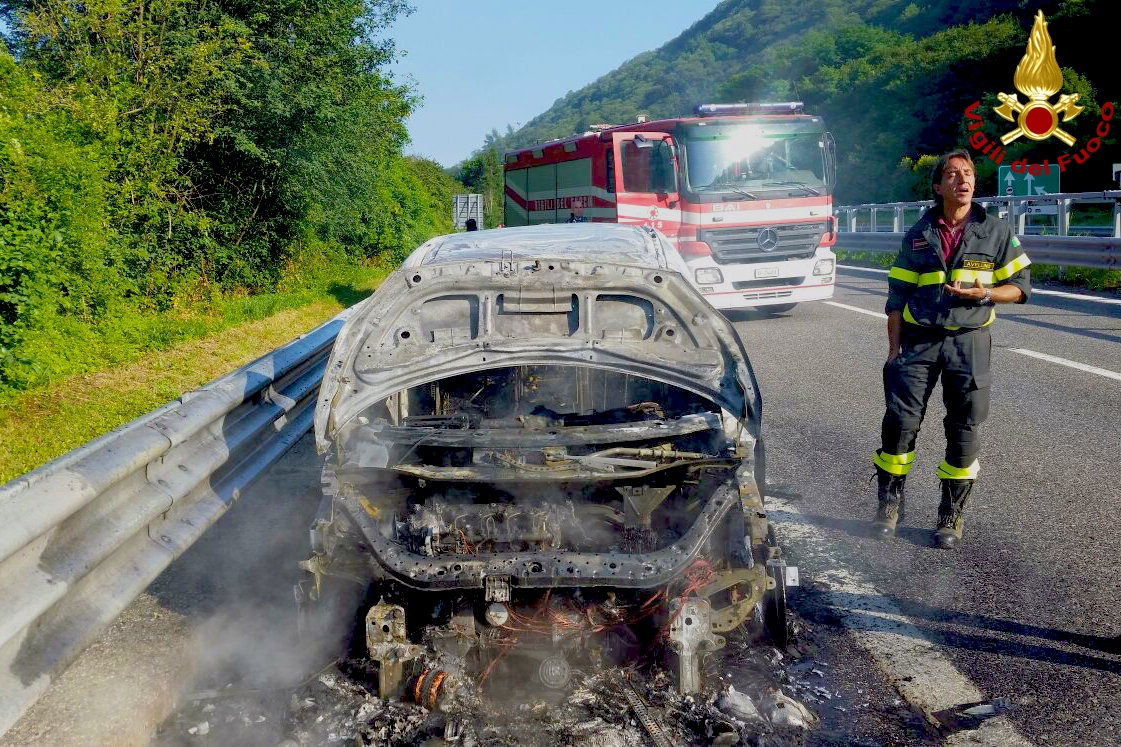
x=1042, y=356
x=856, y=309
x=912, y=663
x=1069, y=364
x=1040, y=291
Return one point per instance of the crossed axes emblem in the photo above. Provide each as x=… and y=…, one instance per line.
x=1066, y=106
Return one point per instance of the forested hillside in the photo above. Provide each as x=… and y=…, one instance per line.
x=160, y=156
x=891, y=78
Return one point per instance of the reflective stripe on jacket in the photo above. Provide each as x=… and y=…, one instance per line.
x=989, y=252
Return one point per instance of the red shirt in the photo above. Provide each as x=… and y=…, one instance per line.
x=950, y=236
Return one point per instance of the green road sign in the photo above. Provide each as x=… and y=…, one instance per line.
x=1014, y=184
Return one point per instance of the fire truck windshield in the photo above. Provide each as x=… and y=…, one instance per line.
x=752, y=158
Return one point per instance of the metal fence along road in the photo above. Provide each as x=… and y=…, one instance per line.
x=864, y=228
x=83, y=535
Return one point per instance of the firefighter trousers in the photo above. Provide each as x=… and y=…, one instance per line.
x=961, y=360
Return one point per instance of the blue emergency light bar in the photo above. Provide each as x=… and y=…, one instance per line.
x=758, y=107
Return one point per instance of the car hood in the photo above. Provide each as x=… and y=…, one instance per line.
x=431, y=322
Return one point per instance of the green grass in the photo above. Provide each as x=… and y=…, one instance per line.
x=117, y=372
x=64, y=346
x=871, y=259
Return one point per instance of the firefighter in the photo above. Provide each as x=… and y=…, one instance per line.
x=955, y=264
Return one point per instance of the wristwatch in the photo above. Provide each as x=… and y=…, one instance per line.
x=988, y=299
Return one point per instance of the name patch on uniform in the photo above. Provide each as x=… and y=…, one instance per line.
x=920, y=245
x=977, y=264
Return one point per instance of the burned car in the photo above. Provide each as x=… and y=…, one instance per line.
x=542, y=442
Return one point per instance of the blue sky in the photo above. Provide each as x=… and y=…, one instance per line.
x=483, y=64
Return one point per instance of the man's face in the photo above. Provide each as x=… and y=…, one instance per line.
x=958, y=180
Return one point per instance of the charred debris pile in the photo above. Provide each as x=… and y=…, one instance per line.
x=609, y=706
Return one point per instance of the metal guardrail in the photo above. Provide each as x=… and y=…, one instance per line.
x=83, y=535
x=1068, y=251
x=860, y=233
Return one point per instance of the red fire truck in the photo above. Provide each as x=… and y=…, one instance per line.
x=743, y=190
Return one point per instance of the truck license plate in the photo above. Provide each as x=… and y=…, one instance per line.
x=767, y=272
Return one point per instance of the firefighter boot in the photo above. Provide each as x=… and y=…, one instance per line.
x=890, y=503
x=955, y=494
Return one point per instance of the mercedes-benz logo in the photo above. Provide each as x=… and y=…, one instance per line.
x=768, y=239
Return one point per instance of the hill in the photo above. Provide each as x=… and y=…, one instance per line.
x=891, y=77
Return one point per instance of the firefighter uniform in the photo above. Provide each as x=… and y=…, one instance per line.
x=945, y=336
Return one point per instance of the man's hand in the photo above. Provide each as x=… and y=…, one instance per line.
x=894, y=332
x=975, y=292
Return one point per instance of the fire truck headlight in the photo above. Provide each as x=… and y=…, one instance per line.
x=709, y=276
x=823, y=267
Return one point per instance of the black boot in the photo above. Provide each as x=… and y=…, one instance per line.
x=955, y=494
x=890, y=503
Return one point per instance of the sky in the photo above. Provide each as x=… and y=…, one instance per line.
x=483, y=64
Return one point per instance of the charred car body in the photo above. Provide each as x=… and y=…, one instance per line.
x=543, y=441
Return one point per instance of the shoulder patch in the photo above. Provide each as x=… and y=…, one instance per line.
x=1015, y=242
x=977, y=264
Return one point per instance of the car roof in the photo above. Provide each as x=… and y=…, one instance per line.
x=606, y=242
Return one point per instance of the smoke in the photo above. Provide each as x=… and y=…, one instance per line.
x=234, y=588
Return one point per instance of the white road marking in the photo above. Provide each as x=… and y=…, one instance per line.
x=1059, y=294
x=912, y=663
x=1042, y=356
x=1070, y=364
x=856, y=309
x=863, y=269
x=1076, y=296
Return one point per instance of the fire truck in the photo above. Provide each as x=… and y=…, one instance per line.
x=744, y=191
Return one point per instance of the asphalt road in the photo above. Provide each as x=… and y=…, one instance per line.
x=1020, y=607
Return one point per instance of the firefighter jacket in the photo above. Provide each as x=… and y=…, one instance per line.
x=988, y=251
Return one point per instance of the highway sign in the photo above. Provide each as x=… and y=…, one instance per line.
x=1017, y=184
x=1027, y=185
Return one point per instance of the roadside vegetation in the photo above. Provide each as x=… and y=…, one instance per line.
x=891, y=78
x=184, y=186
x=171, y=169
x=40, y=424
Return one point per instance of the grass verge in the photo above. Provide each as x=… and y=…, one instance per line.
x=40, y=424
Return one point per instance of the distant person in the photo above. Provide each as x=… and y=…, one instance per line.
x=577, y=215
x=955, y=264
x=471, y=225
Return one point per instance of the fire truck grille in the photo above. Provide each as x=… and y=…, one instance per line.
x=768, y=283
x=741, y=245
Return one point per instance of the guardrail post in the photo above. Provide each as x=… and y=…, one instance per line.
x=1021, y=218
x=850, y=214
x=875, y=225
x=897, y=222
x=1062, y=214
x=1117, y=218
